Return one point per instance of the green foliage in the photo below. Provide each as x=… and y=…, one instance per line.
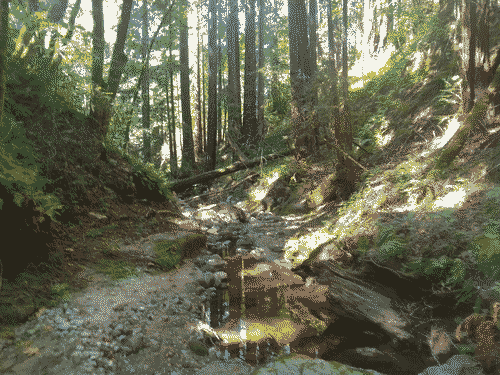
x=96, y=232
x=447, y=271
x=150, y=176
x=390, y=245
x=61, y=291
x=486, y=250
x=109, y=246
x=392, y=249
x=19, y=170
x=198, y=349
x=366, y=138
x=116, y=269
x=280, y=98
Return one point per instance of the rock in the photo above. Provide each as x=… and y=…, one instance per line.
x=441, y=345
x=300, y=364
x=456, y=365
x=219, y=277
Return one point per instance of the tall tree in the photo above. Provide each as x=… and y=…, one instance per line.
x=98, y=43
x=346, y=121
x=479, y=64
x=4, y=38
x=261, y=80
x=212, y=86
x=146, y=153
x=219, y=75
x=249, y=131
x=346, y=170
x=102, y=104
x=199, y=132
x=173, y=143
x=313, y=16
x=204, y=127
x=300, y=73
x=234, y=88
x=187, y=130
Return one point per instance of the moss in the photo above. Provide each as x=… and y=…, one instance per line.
x=116, y=269
x=171, y=252
x=198, y=349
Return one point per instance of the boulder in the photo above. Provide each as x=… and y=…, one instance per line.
x=166, y=250
x=456, y=365
x=300, y=364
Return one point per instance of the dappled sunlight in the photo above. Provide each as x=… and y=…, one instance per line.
x=441, y=141
x=260, y=191
x=382, y=135
x=299, y=249
x=453, y=199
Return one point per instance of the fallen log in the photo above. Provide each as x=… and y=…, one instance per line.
x=357, y=299
x=181, y=185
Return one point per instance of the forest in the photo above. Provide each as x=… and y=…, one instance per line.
x=115, y=116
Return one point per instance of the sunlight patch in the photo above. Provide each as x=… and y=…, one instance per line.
x=452, y=199
x=452, y=128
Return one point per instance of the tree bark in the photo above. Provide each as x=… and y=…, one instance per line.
x=300, y=73
x=181, y=185
x=204, y=125
x=313, y=15
x=212, y=87
x=199, y=131
x=119, y=59
x=98, y=44
x=477, y=75
x=72, y=19
x=173, y=145
x=234, y=88
x=249, y=130
x=146, y=150
x=261, y=80
x=4, y=38
x=187, y=132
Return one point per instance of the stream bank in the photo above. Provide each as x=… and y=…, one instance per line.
x=147, y=324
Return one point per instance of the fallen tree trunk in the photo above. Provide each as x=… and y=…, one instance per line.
x=181, y=185
x=354, y=298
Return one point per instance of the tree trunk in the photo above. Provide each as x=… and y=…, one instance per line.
x=204, y=127
x=234, y=88
x=477, y=76
x=212, y=87
x=98, y=43
x=181, y=185
x=146, y=151
x=187, y=132
x=274, y=79
x=173, y=149
x=102, y=99
x=300, y=73
x=313, y=15
x=56, y=14
x=219, y=82
x=119, y=59
x=71, y=24
x=343, y=130
x=261, y=81
x=199, y=131
x=249, y=131
x=4, y=38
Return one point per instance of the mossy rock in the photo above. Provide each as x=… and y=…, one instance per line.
x=198, y=349
x=301, y=364
x=171, y=252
